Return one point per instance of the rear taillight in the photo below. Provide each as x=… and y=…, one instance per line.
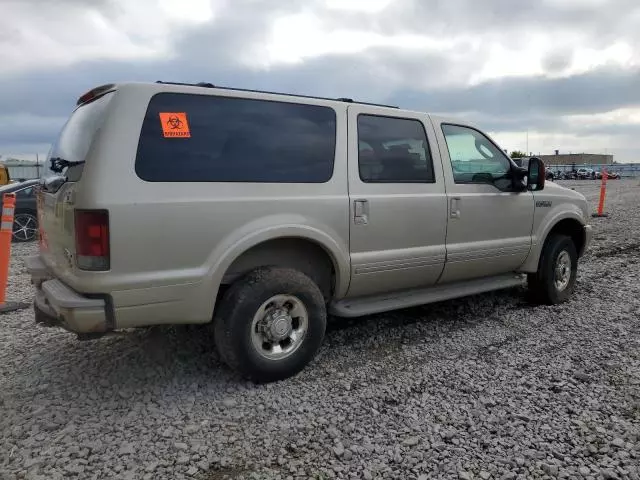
x=92, y=239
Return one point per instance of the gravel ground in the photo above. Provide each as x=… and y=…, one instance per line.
x=485, y=387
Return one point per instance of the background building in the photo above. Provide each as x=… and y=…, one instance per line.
x=576, y=158
x=573, y=161
x=24, y=169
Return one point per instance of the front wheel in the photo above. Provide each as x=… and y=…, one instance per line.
x=555, y=280
x=270, y=324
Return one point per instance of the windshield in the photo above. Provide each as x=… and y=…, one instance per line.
x=77, y=134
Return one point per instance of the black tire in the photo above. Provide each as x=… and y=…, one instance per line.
x=542, y=284
x=234, y=318
x=25, y=227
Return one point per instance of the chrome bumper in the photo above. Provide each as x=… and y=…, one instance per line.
x=56, y=304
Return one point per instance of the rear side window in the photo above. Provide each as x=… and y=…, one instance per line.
x=202, y=138
x=393, y=150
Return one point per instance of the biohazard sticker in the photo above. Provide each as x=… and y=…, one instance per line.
x=174, y=125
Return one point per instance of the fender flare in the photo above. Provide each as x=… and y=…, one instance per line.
x=550, y=221
x=239, y=242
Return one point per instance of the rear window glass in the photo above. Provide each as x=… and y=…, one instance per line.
x=77, y=134
x=202, y=138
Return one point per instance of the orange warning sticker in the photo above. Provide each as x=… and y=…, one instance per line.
x=174, y=125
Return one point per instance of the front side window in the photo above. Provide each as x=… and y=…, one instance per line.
x=204, y=138
x=393, y=150
x=474, y=158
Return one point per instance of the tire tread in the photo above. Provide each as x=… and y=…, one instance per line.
x=540, y=284
x=249, y=290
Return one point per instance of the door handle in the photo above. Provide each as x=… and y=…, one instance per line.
x=455, y=207
x=361, y=212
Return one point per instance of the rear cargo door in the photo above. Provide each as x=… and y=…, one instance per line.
x=56, y=200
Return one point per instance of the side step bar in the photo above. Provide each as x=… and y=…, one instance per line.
x=357, y=307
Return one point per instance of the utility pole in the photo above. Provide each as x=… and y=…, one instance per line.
x=37, y=165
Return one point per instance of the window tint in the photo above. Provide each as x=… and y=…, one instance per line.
x=393, y=150
x=474, y=158
x=236, y=140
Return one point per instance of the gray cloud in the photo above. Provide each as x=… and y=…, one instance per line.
x=455, y=17
x=510, y=104
x=557, y=61
x=596, y=91
x=551, y=125
x=377, y=75
x=61, y=4
x=29, y=129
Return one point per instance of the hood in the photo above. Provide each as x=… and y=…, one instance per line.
x=561, y=190
x=558, y=193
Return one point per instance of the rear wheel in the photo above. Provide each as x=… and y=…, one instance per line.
x=555, y=280
x=25, y=227
x=270, y=324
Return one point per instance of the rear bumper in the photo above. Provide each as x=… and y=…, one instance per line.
x=56, y=304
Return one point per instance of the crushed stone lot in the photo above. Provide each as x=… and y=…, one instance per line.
x=478, y=388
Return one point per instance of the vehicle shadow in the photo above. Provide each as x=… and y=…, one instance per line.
x=176, y=360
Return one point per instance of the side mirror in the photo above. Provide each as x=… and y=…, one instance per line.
x=536, y=174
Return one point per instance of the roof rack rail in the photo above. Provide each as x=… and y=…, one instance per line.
x=340, y=99
x=199, y=84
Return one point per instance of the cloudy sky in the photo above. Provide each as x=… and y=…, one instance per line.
x=566, y=71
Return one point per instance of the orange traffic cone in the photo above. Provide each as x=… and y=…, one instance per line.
x=6, y=232
x=603, y=193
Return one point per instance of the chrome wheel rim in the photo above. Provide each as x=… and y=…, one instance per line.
x=563, y=271
x=25, y=227
x=279, y=327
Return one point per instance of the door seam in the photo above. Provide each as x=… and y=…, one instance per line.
x=446, y=196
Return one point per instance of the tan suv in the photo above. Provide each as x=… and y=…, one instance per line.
x=264, y=212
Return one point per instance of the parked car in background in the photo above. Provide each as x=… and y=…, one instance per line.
x=585, y=173
x=25, y=219
x=569, y=175
x=610, y=175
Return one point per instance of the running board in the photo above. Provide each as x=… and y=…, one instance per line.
x=357, y=307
